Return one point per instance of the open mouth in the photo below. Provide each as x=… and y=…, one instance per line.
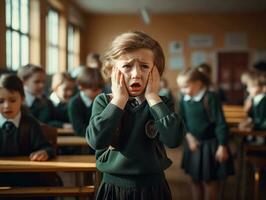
x=135, y=87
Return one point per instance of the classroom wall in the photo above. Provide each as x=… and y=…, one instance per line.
x=177, y=27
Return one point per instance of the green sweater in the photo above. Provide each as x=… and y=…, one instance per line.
x=201, y=124
x=129, y=142
x=79, y=115
x=259, y=114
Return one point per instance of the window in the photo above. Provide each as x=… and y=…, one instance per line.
x=73, y=42
x=17, y=33
x=53, y=42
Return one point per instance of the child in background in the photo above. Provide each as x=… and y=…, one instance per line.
x=63, y=86
x=33, y=78
x=206, y=157
x=164, y=90
x=129, y=126
x=90, y=84
x=20, y=133
x=93, y=61
x=207, y=70
x=257, y=114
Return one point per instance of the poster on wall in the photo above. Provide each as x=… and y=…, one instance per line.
x=176, y=62
x=236, y=40
x=176, y=47
x=200, y=40
x=198, y=57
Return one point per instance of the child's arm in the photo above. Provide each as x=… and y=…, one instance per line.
x=221, y=154
x=221, y=128
x=106, y=116
x=193, y=143
x=38, y=140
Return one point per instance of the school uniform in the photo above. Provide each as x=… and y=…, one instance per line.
x=258, y=112
x=60, y=114
x=40, y=107
x=79, y=112
x=207, y=124
x=20, y=137
x=129, y=147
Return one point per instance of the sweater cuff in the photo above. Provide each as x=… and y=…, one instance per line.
x=159, y=111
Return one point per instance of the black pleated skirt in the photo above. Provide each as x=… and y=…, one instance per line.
x=109, y=191
x=201, y=164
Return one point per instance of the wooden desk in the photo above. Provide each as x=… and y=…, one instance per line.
x=67, y=163
x=65, y=131
x=72, y=141
x=257, y=162
x=240, y=132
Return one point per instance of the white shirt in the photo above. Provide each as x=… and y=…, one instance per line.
x=197, y=97
x=258, y=98
x=86, y=100
x=14, y=120
x=55, y=99
x=29, y=98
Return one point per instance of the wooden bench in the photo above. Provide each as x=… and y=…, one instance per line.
x=234, y=114
x=46, y=191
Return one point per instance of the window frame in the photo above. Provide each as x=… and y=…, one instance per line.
x=11, y=30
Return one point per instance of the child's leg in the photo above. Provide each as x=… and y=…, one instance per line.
x=197, y=190
x=211, y=190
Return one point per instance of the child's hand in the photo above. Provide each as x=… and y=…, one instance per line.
x=39, y=156
x=119, y=90
x=193, y=143
x=246, y=125
x=221, y=154
x=152, y=88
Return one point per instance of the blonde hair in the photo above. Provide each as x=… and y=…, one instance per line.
x=128, y=42
x=59, y=78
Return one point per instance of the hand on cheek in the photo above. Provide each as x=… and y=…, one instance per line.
x=153, y=82
x=119, y=90
x=152, y=88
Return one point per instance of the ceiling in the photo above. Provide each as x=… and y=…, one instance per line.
x=170, y=6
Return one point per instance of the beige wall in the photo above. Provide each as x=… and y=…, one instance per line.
x=165, y=28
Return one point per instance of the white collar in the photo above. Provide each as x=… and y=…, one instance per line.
x=29, y=98
x=86, y=100
x=14, y=120
x=140, y=99
x=55, y=99
x=258, y=98
x=197, y=97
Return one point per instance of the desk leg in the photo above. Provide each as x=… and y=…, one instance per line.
x=240, y=173
x=257, y=182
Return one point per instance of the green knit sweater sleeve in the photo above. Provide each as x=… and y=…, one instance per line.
x=104, y=121
x=221, y=128
x=168, y=123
